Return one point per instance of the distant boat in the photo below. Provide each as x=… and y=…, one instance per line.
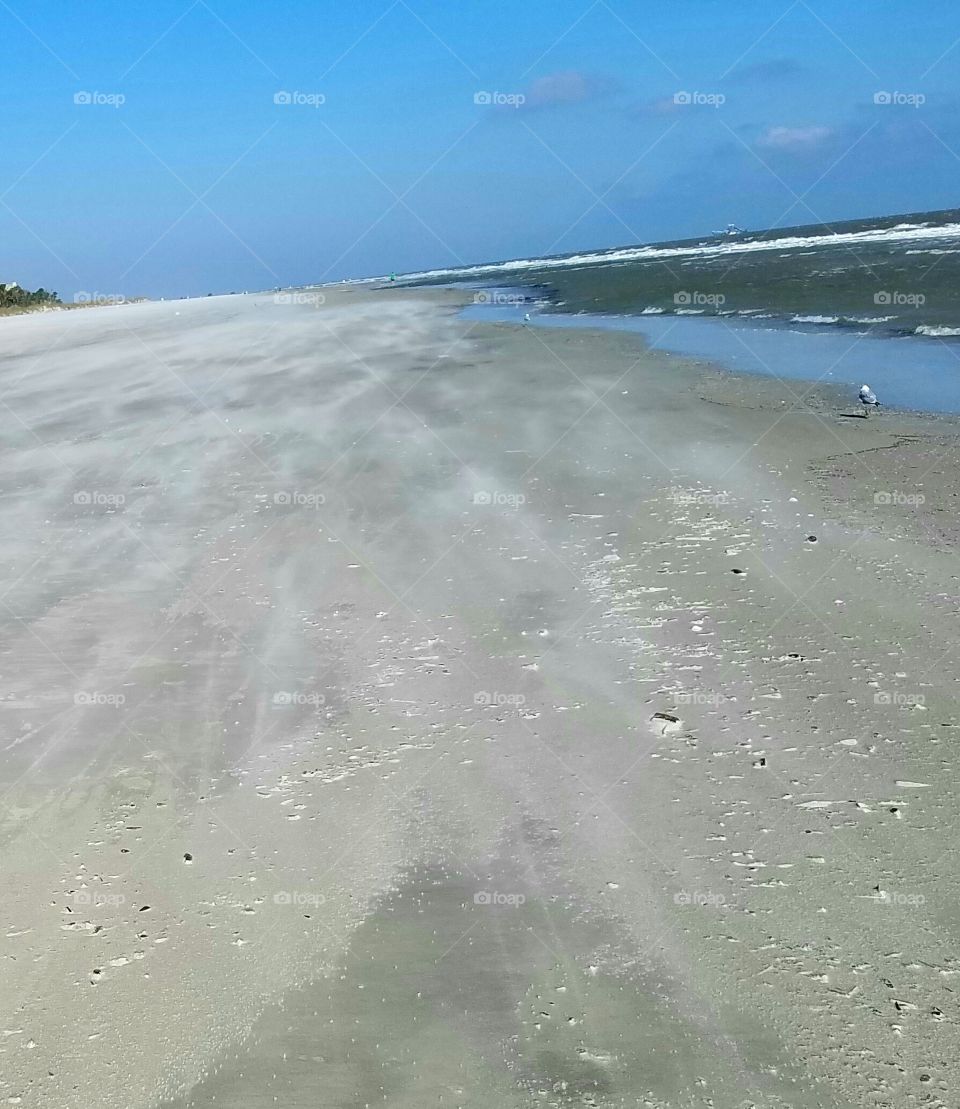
x=731, y=229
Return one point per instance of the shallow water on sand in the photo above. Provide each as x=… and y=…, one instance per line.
x=922, y=374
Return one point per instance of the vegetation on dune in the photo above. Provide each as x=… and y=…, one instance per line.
x=13, y=298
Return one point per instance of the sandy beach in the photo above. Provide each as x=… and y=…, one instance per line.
x=400, y=710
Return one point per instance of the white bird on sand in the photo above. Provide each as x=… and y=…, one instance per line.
x=526, y=318
x=868, y=398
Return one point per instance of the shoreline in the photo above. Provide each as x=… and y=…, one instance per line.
x=920, y=381
x=493, y=776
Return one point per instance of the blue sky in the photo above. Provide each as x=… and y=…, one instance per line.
x=143, y=150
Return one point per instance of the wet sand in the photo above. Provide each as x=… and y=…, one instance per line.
x=385, y=722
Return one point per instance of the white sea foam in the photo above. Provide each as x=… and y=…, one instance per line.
x=937, y=332
x=903, y=232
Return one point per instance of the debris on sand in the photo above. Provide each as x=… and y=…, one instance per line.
x=666, y=723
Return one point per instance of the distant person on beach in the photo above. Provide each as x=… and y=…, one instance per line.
x=868, y=398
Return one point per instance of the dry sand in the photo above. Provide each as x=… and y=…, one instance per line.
x=385, y=723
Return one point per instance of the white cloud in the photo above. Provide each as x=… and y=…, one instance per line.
x=794, y=138
x=569, y=87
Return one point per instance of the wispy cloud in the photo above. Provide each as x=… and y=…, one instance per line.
x=658, y=106
x=678, y=103
x=571, y=86
x=768, y=72
x=795, y=139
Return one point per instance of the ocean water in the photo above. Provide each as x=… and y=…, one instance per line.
x=906, y=372
x=899, y=275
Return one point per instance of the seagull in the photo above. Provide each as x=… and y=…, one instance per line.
x=868, y=398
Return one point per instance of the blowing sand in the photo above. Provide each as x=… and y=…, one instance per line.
x=401, y=711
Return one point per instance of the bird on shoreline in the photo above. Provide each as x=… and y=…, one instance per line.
x=868, y=398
